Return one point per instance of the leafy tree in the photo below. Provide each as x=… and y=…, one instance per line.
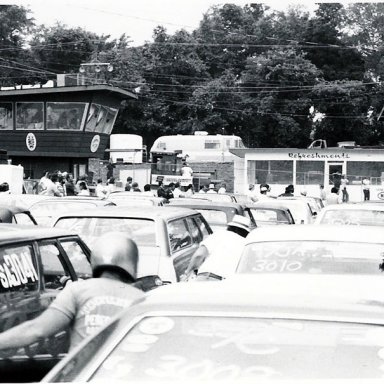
x=326, y=49
x=15, y=26
x=277, y=85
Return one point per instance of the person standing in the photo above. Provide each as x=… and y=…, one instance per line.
x=69, y=185
x=110, y=168
x=289, y=191
x=84, y=306
x=264, y=188
x=43, y=183
x=251, y=193
x=84, y=191
x=177, y=192
x=101, y=190
x=135, y=187
x=366, y=183
x=128, y=184
x=203, y=189
x=222, y=189
x=323, y=195
x=189, y=192
x=186, y=170
x=334, y=197
x=211, y=188
x=52, y=189
x=343, y=185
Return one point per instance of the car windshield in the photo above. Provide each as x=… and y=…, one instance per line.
x=142, y=231
x=215, y=217
x=269, y=217
x=331, y=257
x=353, y=217
x=221, y=348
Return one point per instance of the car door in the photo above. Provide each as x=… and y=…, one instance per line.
x=20, y=283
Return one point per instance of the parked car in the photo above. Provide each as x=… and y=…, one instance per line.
x=34, y=264
x=129, y=199
x=352, y=214
x=217, y=214
x=167, y=238
x=309, y=249
x=16, y=215
x=300, y=209
x=296, y=328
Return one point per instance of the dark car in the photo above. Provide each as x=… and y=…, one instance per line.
x=34, y=264
x=166, y=237
x=218, y=214
x=291, y=328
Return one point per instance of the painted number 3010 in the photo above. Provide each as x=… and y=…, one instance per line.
x=276, y=266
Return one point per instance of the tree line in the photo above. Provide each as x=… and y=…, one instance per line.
x=275, y=78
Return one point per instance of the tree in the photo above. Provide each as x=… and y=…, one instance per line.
x=277, y=85
x=15, y=25
x=60, y=49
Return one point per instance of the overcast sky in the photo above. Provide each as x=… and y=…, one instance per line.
x=135, y=18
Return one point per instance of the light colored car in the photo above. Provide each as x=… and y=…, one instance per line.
x=299, y=208
x=267, y=214
x=310, y=249
x=241, y=330
x=352, y=214
x=166, y=238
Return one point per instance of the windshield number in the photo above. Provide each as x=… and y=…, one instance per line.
x=277, y=266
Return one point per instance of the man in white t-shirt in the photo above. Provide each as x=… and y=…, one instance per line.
x=219, y=254
x=186, y=171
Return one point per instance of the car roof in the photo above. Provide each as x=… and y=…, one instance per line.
x=13, y=232
x=354, y=207
x=354, y=233
x=265, y=204
x=331, y=297
x=196, y=203
x=143, y=212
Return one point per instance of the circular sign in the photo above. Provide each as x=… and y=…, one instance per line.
x=95, y=143
x=31, y=141
x=381, y=195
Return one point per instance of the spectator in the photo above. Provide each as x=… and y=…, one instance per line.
x=251, y=193
x=323, y=195
x=110, y=168
x=186, y=171
x=343, y=185
x=43, y=183
x=101, y=190
x=177, y=191
x=333, y=197
x=289, y=191
x=51, y=189
x=69, y=185
x=161, y=191
x=135, y=187
x=203, y=189
x=211, y=188
x=366, y=190
x=189, y=192
x=4, y=188
x=222, y=189
x=264, y=188
x=128, y=184
x=147, y=190
x=83, y=189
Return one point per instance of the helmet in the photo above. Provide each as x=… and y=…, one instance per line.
x=114, y=250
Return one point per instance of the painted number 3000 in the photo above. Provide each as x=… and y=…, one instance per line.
x=276, y=266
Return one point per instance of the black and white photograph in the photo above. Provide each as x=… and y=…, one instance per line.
x=191, y=191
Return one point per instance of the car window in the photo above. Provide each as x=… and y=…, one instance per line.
x=52, y=266
x=330, y=257
x=18, y=270
x=78, y=258
x=203, y=228
x=214, y=217
x=23, y=218
x=142, y=231
x=178, y=234
x=353, y=217
x=323, y=349
x=194, y=230
x=269, y=217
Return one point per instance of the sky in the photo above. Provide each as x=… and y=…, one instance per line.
x=136, y=19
